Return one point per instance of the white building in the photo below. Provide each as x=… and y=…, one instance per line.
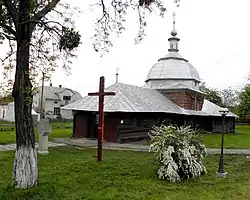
x=7, y=112
x=3, y=111
x=53, y=99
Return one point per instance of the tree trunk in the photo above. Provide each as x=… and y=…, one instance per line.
x=25, y=172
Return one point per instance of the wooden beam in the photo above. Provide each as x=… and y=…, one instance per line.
x=101, y=95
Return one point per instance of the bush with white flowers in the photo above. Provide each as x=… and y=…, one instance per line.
x=179, y=151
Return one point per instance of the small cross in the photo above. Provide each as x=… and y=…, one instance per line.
x=174, y=21
x=117, y=74
x=101, y=95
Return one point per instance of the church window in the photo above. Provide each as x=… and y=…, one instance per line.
x=3, y=114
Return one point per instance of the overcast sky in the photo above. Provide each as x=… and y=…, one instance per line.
x=214, y=37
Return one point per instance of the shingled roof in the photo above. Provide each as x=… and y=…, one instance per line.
x=213, y=109
x=130, y=98
x=51, y=93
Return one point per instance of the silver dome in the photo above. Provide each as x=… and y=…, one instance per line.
x=173, y=66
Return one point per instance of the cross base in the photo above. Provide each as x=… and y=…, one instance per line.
x=221, y=174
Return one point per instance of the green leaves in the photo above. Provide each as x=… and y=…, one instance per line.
x=69, y=40
x=212, y=95
x=244, y=107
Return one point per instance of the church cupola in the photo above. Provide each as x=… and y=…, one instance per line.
x=174, y=77
x=173, y=41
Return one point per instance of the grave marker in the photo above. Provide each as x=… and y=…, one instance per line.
x=44, y=129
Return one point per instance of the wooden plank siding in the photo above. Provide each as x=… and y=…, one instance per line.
x=121, y=127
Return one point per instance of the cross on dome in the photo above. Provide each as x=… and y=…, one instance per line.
x=174, y=32
x=173, y=40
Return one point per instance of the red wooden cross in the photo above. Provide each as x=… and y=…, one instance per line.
x=101, y=95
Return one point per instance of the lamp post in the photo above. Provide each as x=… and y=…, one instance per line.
x=221, y=172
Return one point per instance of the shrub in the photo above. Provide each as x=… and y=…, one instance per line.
x=179, y=151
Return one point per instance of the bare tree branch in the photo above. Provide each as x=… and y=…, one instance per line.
x=9, y=37
x=38, y=16
x=8, y=28
x=11, y=10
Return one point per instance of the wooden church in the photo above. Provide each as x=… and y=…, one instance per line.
x=171, y=95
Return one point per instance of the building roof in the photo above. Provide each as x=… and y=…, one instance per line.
x=128, y=98
x=173, y=66
x=177, y=86
x=213, y=109
x=131, y=98
x=50, y=92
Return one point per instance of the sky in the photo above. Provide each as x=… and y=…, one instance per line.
x=214, y=37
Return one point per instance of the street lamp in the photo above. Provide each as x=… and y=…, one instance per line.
x=221, y=172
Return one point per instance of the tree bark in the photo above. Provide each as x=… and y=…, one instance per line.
x=25, y=170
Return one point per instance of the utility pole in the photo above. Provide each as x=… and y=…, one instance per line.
x=41, y=100
x=44, y=127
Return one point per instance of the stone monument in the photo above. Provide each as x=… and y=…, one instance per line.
x=44, y=129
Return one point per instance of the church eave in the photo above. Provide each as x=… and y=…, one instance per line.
x=174, y=38
x=159, y=79
x=179, y=89
x=175, y=58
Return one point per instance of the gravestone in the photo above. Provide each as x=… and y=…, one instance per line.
x=44, y=129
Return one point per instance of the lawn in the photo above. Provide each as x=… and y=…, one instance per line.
x=72, y=174
x=240, y=140
x=59, y=129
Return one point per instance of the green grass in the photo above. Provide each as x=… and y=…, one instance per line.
x=4, y=122
x=59, y=130
x=74, y=174
x=240, y=140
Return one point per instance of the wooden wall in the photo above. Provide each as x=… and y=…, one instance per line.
x=120, y=127
x=229, y=126
x=110, y=128
x=85, y=124
x=81, y=128
x=137, y=125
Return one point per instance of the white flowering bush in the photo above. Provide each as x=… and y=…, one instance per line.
x=179, y=151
